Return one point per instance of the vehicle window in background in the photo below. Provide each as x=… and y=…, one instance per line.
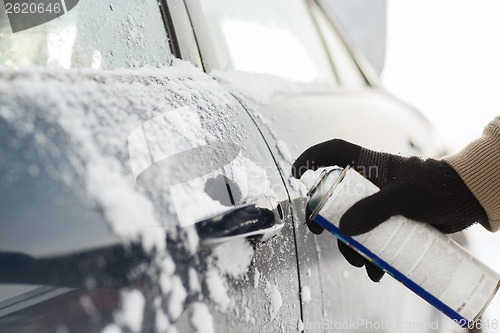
x=346, y=68
x=94, y=34
x=271, y=37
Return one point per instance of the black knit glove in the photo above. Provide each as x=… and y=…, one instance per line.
x=422, y=190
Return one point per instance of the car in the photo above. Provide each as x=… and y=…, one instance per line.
x=145, y=161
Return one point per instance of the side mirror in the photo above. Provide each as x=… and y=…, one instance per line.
x=365, y=24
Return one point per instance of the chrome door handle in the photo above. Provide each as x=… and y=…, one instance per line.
x=260, y=219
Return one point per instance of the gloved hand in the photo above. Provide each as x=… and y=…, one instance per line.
x=422, y=190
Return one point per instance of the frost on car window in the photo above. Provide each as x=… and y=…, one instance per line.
x=262, y=37
x=94, y=34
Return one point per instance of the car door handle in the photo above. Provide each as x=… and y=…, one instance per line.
x=259, y=220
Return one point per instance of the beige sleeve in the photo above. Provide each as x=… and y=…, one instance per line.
x=479, y=166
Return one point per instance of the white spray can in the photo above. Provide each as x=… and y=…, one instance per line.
x=418, y=255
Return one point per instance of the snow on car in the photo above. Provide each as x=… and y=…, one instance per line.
x=145, y=168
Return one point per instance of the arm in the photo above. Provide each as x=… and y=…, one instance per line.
x=478, y=165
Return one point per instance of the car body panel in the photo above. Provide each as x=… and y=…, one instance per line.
x=357, y=116
x=90, y=116
x=292, y=122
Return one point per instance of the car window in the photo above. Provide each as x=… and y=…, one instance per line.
x=346, y=68
x=271, y=37
x=82, y=34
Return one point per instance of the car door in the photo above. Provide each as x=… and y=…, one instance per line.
x=105, y=173
x=290, y=67
x=358, y=110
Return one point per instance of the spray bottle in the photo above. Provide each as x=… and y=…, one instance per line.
x=418, y=255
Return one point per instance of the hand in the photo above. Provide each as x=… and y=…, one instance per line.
x=422, y=190
x=374, y=273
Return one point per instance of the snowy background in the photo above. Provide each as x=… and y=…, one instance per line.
x=444, y=58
